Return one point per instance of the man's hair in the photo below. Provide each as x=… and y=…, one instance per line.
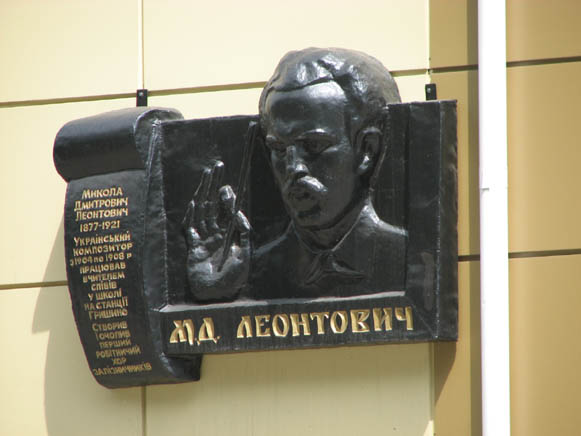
x=366, y=83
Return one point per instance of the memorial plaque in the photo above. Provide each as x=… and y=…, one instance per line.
x=327, y=219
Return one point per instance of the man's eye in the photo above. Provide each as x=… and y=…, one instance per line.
x=275, y=146
x=316, y=147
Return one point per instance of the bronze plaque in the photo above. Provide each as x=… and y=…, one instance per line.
x=327, y=219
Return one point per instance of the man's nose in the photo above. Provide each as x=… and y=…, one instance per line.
x=295, y=167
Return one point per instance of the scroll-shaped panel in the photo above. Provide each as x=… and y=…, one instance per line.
x=114, y=245
x=328, y=219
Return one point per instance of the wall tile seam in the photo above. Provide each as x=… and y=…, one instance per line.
x=509, y=64
x=169, y=91
x=526, y=254
x=461, y=258
x=255, y=85
x=14, y=286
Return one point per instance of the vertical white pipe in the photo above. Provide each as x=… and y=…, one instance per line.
x=140, y=78
x=493, y=218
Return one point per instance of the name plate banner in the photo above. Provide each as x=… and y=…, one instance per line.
x=234, y=234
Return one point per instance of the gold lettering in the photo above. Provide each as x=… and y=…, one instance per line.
x=260, y=320
x=320, y=317
x=118, y=334
x=115, y=343
x=407, y=317
x=334, y=326
x=183, y=332
x=120, y=325
x=304, y=322
x=114, y=191
x=207, y=331
x=107, y=313
x=121, y=352
x=358, y=318
x=115, y=370
x=276, y=327
x=379, y=318
x=244, y=328
x=178, y=334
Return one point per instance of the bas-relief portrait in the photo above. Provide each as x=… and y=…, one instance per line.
x=327, y=219
x=322, y=122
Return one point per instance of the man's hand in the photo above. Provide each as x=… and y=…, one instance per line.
x=208, y=218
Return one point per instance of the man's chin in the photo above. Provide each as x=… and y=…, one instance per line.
x=308, y=215
x=308, y=219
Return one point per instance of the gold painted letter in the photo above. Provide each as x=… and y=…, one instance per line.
x=244, y=328
x=379, y=318
x=276, y=327
x=320, y=317
x=260, y=320
x=408, y=317
x=207, y=332
x=358, y=318
x=304, y=322
x=184, y=332
x=336, y=328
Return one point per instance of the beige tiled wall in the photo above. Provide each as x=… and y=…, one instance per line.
x=378, y=389
x=453, y=33
x=184, y=47
x=545, y=349
x=544, y=59
x=457, y=365
x=66, y=60
x=57, y=48
x=31, y=191
x=45, y=382
x=536, y=29
x=544, y=156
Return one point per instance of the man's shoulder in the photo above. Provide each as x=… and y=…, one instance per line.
x=370, y=226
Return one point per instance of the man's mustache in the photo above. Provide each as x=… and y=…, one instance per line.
x=305, y=183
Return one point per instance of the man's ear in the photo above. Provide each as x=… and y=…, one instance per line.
x=369, y=140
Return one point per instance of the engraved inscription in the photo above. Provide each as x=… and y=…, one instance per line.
x=100, y=254
x=185, y=331
x=283, y=325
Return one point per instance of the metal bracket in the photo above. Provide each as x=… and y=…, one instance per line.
x=141, y=97
x=431, y=92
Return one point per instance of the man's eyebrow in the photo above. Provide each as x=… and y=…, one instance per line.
x=317, y=134
x=271, y=138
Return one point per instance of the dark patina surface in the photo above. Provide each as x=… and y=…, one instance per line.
x=329, y=218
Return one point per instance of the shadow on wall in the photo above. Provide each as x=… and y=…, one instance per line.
x=457, y=383
x=73, y=401
x=386, y=385
x=378, y=389
x=473, y=162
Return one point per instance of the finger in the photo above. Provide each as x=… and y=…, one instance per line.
x=193, y=238
x=212, y=218
x=228, y=199
x=227, y=205
x=201, y=194
x=201, y=226
x=198, y=220
x=200, y=200
x=243, y=227
x=242, y=223
x=211, y=215
x=188, y=217
x=216, y=177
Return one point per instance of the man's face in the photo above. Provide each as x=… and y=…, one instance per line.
x=314, y=162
